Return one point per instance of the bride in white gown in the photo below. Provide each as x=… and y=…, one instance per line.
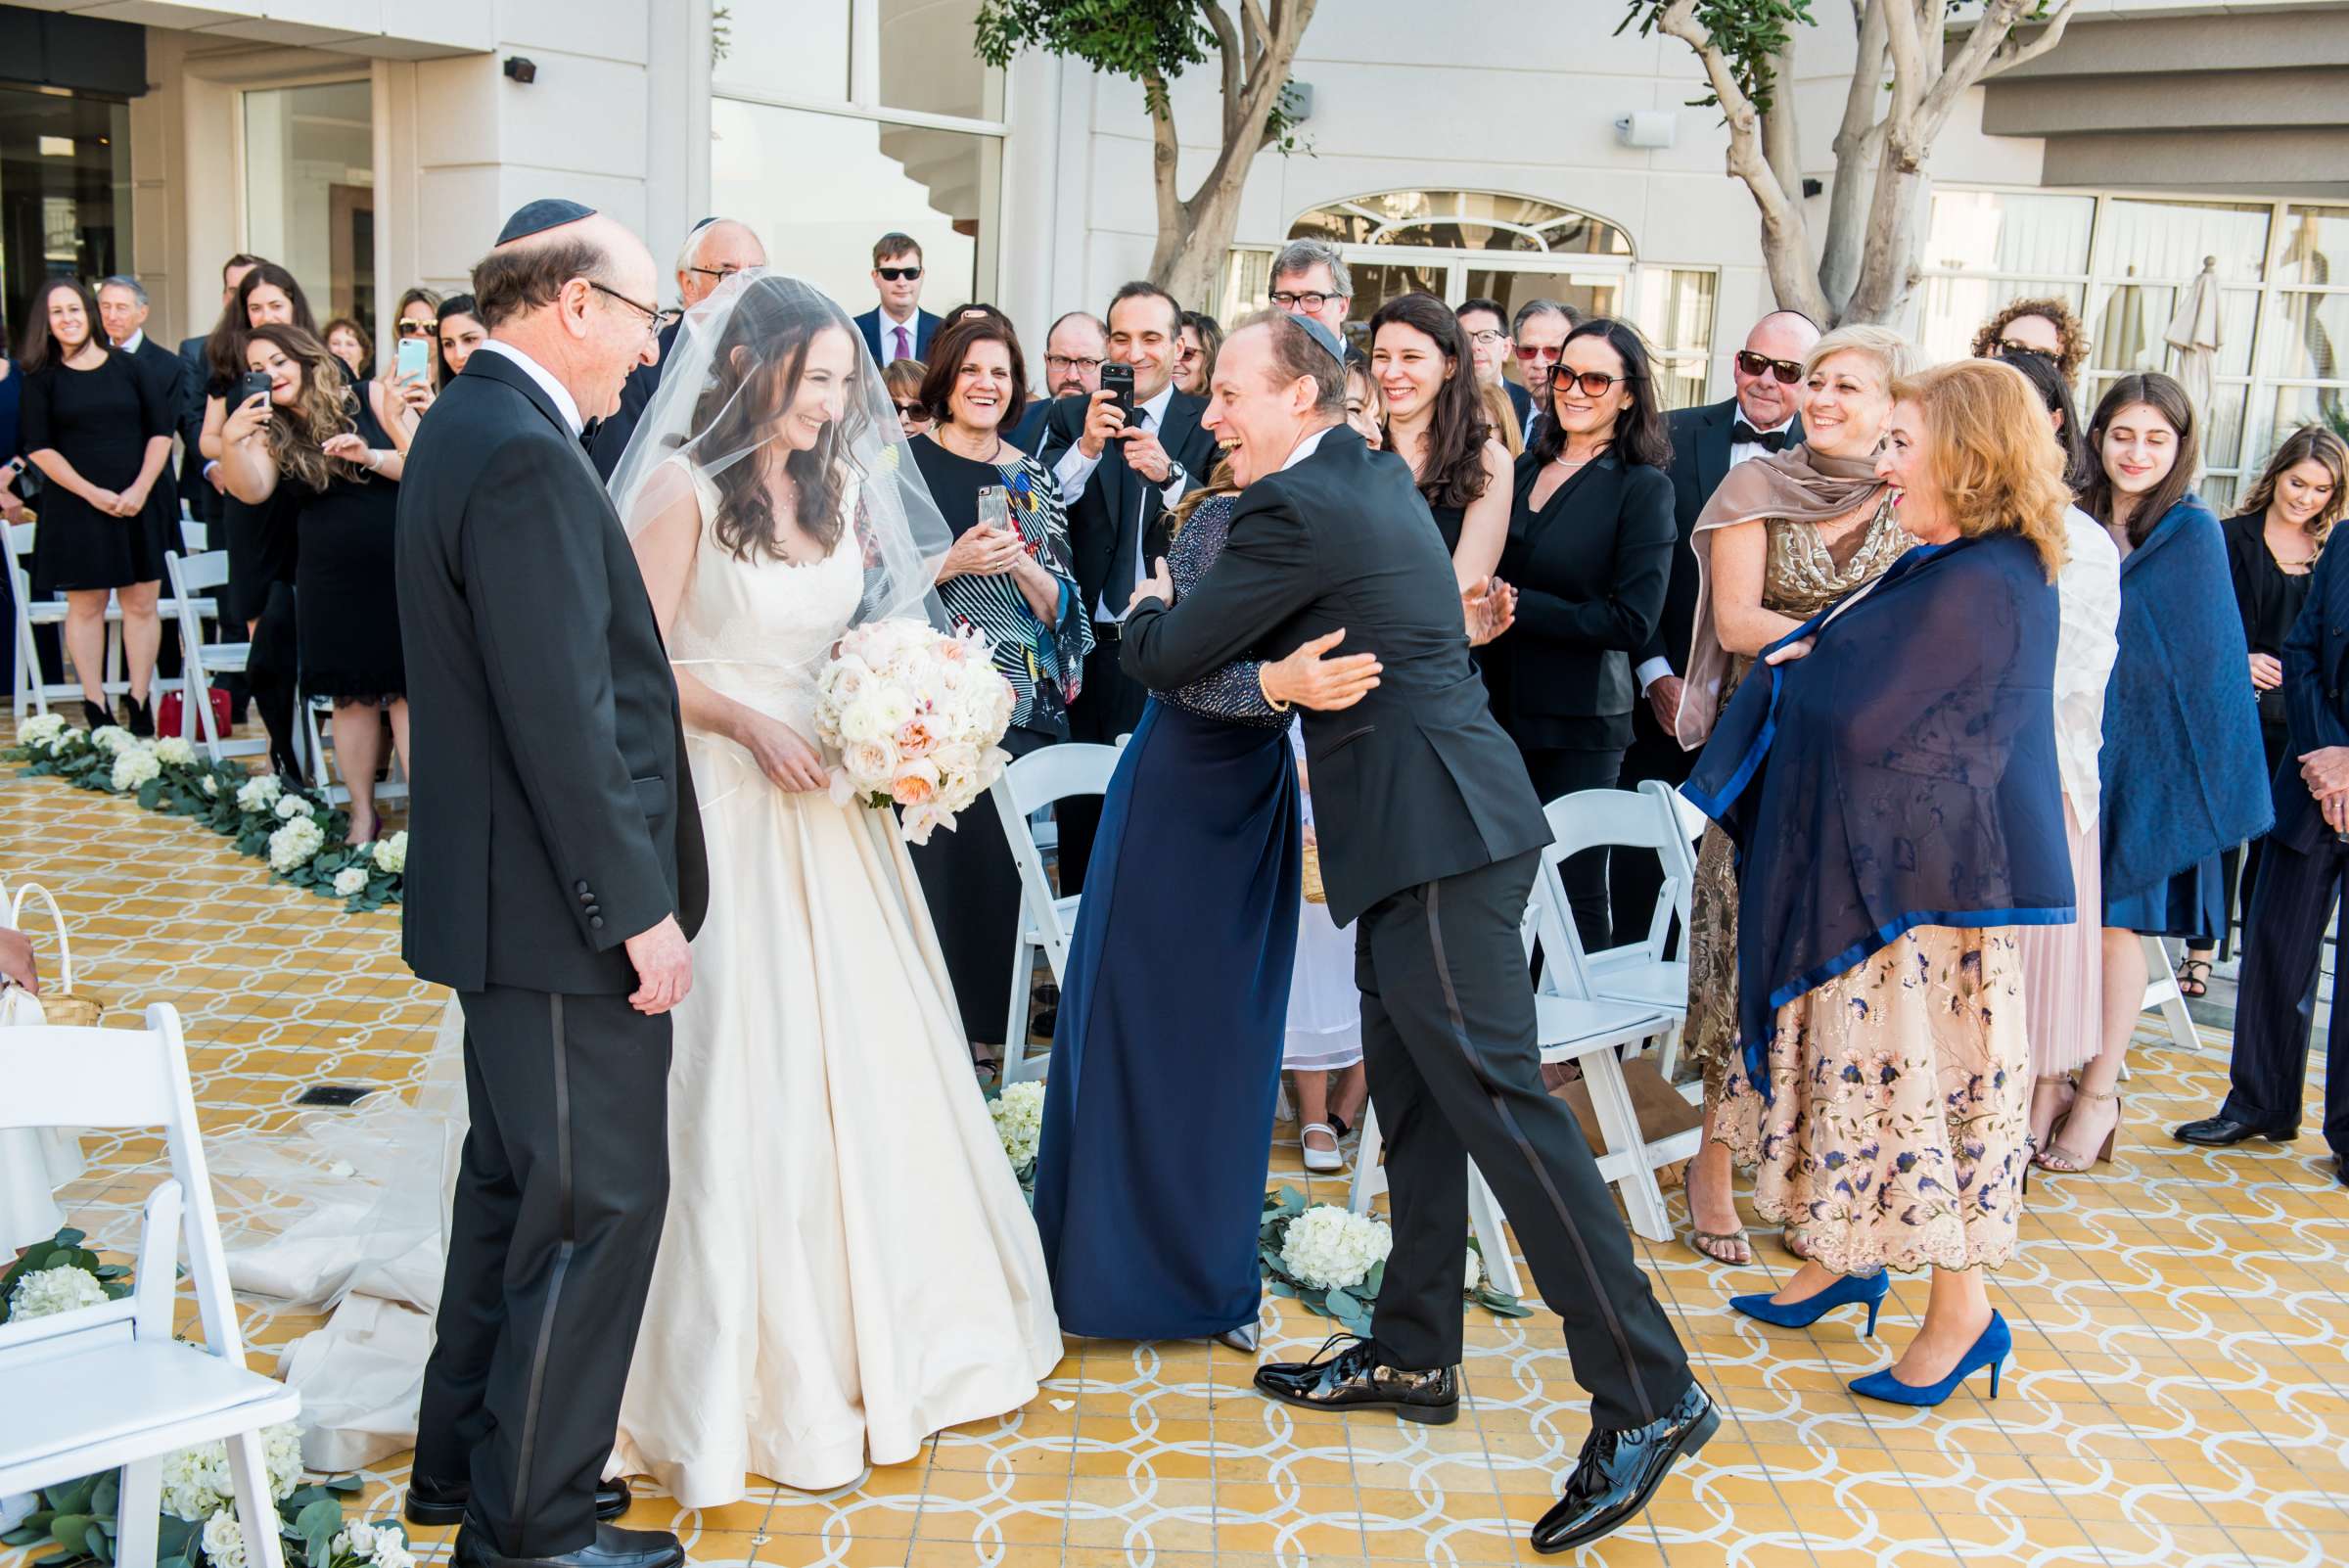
x=847, y=1265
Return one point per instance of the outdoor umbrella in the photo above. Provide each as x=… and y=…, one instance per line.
x=2193, y=337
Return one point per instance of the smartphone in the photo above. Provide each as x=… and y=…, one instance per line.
x=1119, y=379
x=995, y=508
x=257, y=383
x=415, y=358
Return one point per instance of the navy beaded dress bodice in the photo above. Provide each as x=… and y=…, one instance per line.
x=1230, y=694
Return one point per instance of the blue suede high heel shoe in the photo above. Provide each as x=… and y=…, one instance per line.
x=1990, y=1350
x=1851, y=1289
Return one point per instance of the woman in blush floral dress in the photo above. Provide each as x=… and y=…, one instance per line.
x=1894, y=788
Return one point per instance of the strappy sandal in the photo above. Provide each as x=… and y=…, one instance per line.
x=1791, y=1239
x=2193, y=979
x=1727, y=1247
x=2062, y=1162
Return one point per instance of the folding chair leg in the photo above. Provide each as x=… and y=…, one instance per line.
x=257, y=1512
x=2164, y=983
x=1484, y=1215
x=139, y=1503
x=1015, y=1020
x=1369, y=1176
x=1619, y=1129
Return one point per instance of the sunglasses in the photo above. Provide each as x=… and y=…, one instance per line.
x=414, y=327
x=910, y=411
x=1787, y=371
x=2008, y=349
x=1594, y=383
x=899, y=274
x=1539, y=357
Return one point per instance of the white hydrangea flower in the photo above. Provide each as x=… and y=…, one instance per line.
x=391, y=853
x=111, y=738
x=224, y=1541
x=192, y=1490
x=40, y=729
x=290, y=807
x=391, y=1552
x=1476, y=1272
x=1328, y=1248
x=174, y=750
x=135, y=765
x=259, y=794
x=60, y=1289
x=210, y=787
x=65, y=742
x=282, y=1446
x=291, y=847
x=1019, y=1113
x=350, y=880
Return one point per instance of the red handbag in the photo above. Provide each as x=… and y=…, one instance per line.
x=169, y=710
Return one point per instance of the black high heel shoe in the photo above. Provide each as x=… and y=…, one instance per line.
x=141, y=716
x=94, y=714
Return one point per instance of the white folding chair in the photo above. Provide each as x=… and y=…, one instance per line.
x=108, y=1386
x=192, y=579
x=314, y=748
x=1484, y=1208
x=194, y=537
x=1578, y=1025
x=32, y=695
x=1046, y=920
x=2162, y=994
x=1646, y=821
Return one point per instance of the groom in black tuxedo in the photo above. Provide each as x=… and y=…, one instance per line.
x=555, y=878
x=1430, y=835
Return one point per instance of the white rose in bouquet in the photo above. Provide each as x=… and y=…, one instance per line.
x=350, y=880
x=40, y=729
x=290, y=807
x=62, y=1289
x=134, y=767
x=860, y=719
x=391, y=853
x=211, y=787
x=111, y=738
x=871, y=759
x=259, y=794
x=1329, y=1248
x=224, y=1541
x=175, y=751
x=291, y=847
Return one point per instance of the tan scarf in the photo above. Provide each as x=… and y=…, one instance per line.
x=1797, y=484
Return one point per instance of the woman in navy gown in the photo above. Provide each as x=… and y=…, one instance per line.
x=1166, y=1058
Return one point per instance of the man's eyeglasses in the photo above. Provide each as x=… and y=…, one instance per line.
x=1488, y=338
x=1057, y=363
x=722, y=274
x=1539, y=357
x=414, y=327
x=899, y=274
x=1787, y=371
x=1309, y=303
x=656, y=322
x=1594, y=383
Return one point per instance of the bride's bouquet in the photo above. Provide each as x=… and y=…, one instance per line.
x=908, y=717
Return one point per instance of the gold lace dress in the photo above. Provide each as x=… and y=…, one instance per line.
x=1800, y=578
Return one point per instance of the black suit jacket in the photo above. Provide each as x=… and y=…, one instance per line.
x=194, y=488
x=1700, y=461
x=2315, y=698
x=1414, y=782
x=1520, y=401
x=607, y=437
x=1589, y=570
x=169, y=372
x=553, y=813
x=1117, y=502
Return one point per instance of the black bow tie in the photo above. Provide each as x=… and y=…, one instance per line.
x=1742, y=434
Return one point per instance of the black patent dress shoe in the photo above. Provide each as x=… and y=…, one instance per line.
x=612, y=1548
x=2225, y=1131
x=1346, y=1376
x=1620, y=1470
x=432, y=1505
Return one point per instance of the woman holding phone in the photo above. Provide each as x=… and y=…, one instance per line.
x=1010, y=577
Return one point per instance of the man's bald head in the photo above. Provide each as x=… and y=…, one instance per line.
x=528, y=272
x=713, y=254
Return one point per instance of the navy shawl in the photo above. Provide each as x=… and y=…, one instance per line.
x=2183, y=769
x=1901, y=774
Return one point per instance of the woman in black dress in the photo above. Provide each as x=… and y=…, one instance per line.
x=1436, y=423
x=1012, y=580
x=2271, y=551
x=327, y=446
x=1589, y=552
x=100, y=435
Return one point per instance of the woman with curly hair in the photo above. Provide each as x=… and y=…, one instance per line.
x=2035, y=327
x=329, y=446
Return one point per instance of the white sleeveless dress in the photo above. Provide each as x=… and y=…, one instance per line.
x=848, y=1264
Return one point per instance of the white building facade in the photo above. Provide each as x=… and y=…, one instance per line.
x=373, y=144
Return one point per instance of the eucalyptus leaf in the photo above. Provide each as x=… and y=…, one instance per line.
x=70, y=1531
x=1281, y=1287
x=106, y=1494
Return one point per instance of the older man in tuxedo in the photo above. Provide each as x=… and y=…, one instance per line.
x=715, y=250
x=1119, y=477
x=2299, y=886
x=556, y=877
x=1764, y=414
x=123, y=308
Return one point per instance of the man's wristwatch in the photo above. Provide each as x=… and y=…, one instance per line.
x=1176, y=474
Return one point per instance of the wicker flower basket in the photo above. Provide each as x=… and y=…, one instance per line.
x=1314, y=893
x=61, y=1006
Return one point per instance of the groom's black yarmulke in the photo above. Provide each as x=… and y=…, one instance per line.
x=545, y=214
x=1321, y=335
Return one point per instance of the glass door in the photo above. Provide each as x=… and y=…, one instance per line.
x=65, y=194
x=309, y=190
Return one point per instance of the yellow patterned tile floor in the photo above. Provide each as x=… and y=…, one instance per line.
x=2180, y=1392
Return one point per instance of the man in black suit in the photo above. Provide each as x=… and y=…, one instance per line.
x=122, y=309
x=1430, y=837
x=715, y=250
x=1075, y=351
x=556, y=878
x=897, y=328
x=1537, y=337
x=1118, y=480
x=1490, y=347
x=2299, y=883
x=1762, y=415
x=200, y=484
